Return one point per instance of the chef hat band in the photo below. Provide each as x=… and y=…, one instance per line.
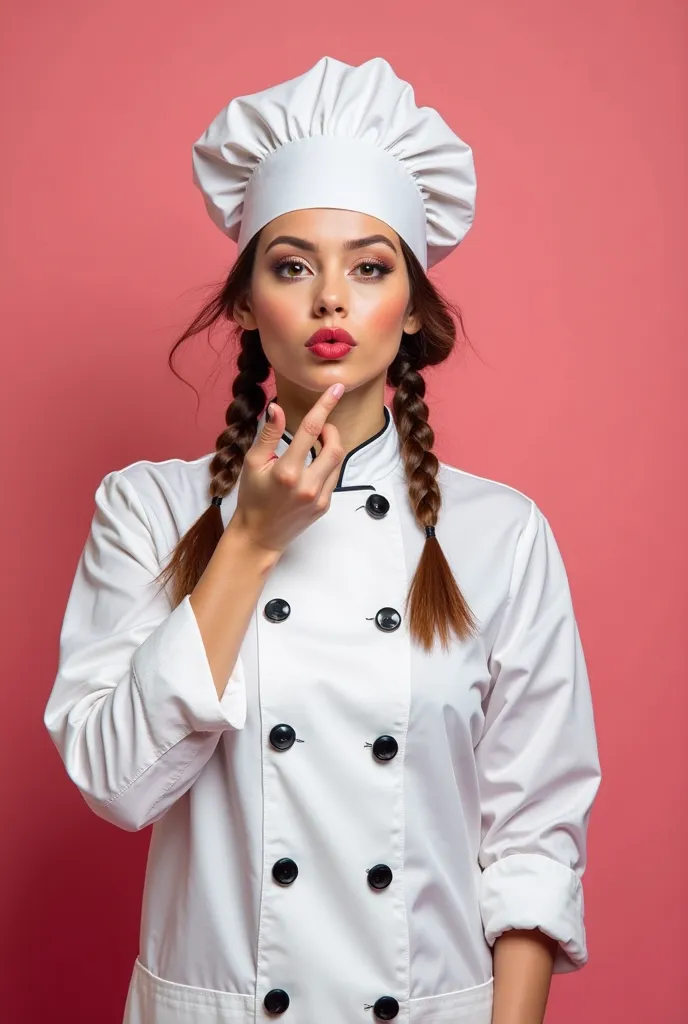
x=329, y=171
x=339, y=137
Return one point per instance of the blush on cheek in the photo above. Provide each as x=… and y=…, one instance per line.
x=387, y=318
x=276, y=316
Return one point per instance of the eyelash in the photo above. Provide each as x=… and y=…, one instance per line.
x=287, y=261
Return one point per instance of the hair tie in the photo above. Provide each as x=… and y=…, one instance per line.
x=429, y=531
x=216, y=501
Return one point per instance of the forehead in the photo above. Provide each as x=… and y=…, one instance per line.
x=326, y=226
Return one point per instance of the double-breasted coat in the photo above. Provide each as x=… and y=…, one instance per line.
x=343, y=835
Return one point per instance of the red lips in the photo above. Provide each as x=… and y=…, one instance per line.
x=326, y=334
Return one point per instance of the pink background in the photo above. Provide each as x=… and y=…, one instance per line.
x=571, y=285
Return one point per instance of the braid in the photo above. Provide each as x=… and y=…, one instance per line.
x=196, y=547
x=416, y=439
x=434, y=604
x=241, y=417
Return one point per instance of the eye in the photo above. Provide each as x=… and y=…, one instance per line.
x=372, y=270
x=289, y=264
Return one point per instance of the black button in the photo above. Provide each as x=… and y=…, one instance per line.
x=377, y=506
x=380, y=876
x=282, y=736
x=277, y=1000
x=284, y=870
x=385, y=748
x=388, y=619
x=386, y=1008
x=277, y=610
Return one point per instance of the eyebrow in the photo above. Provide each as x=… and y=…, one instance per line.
x=354, y=243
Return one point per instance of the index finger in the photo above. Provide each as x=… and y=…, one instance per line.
x=311, y=425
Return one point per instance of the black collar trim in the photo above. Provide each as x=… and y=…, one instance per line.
x=362, y=487
x=359, y=447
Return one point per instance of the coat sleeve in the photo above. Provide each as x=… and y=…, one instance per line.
x=134, y=712
x=537, y=759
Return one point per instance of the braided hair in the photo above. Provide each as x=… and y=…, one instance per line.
x=434, y=603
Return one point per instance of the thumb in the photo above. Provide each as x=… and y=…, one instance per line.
x=273, y=428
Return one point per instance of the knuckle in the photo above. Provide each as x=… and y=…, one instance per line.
x=337, y=453
x=308, y=495
x=311, y=425
x=287, y=476
x=253, y=466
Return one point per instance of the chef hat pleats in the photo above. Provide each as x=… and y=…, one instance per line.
x=342, y=137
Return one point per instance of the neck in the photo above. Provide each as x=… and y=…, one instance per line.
x=358, y=415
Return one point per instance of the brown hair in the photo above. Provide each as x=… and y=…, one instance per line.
x=434, y=603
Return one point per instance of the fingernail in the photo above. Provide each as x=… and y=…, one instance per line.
x=269, y=412
x=338, y=390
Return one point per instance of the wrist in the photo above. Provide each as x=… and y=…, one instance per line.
x=237, y=538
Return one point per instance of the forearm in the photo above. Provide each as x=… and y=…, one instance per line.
x=522, y=962
x=224, y=598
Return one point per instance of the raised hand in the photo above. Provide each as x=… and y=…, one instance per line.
x=279, y=497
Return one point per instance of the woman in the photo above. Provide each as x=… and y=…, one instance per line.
x=370, y=786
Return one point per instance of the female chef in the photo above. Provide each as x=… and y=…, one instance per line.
x=343, y=681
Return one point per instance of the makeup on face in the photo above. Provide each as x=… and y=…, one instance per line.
x=329, y=291
x=331, y=343
x=376, y=263
x=285, y=263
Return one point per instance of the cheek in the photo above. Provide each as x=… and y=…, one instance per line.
x=276, y=311
x=387, y=316
x=279, y=315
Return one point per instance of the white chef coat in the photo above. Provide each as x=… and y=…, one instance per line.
x=479, y=819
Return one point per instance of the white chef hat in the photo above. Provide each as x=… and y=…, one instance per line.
x=341, y=137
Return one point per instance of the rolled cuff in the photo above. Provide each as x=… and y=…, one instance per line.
x=526, y=890
x=176, y=684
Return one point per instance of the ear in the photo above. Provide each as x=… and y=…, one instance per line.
x=242, y=314
x=412, y=323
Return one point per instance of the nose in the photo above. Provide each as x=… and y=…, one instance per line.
x=330, y=295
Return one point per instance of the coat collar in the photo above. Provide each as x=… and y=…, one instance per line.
x=364, y=466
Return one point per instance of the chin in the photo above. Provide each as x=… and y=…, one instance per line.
x=320, y=375
x=337, y=373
